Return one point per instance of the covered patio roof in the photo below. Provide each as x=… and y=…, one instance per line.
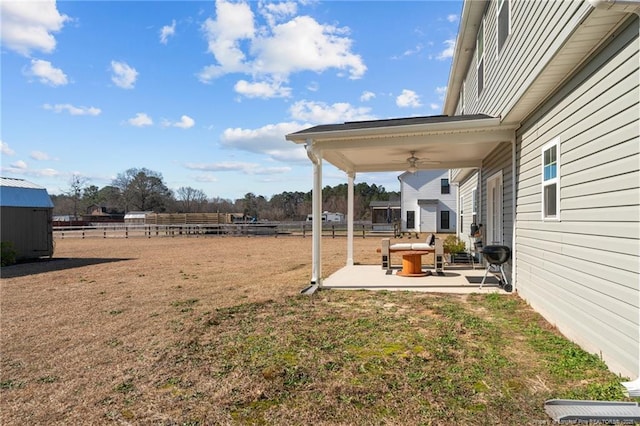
x=436, y=142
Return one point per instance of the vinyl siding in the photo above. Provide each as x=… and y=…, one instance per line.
x=425, y=185
x=500, y=161
x=583, y=272
x=538, y=28
x=466, y=190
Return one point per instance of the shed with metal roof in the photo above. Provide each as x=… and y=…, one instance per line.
x=26, y=211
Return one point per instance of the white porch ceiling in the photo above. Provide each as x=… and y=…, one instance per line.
x=439, y=142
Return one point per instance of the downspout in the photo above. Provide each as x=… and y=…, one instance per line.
x=316, y=222
x=350, y=212
x=514, y=261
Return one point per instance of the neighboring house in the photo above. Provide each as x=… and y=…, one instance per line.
x=428, y=201
x=385, y=215
x=564, y=194
x=26, y=211
x=541, y=134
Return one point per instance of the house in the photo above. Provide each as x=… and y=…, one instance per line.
x=385, y=216
x=328, y=217
x=541, y=133
x=564, y=192
x=26, y=211
x=428, y=201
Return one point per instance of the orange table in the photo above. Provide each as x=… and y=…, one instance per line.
x=412, y=263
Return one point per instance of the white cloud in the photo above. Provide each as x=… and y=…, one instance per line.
x=321, y=113
x=452, y=17
x=274, y=12
x=234, y=22
x=441, y=91
x=5, y=149
x=21, y=165
x=47, y=74
x=448, y=51
x=185, y=122
x=236, y=166
x=140, y=120
x=39, y=156
x=408, y=99
x=28, y=25
x=73, y=110
x=268, y=140
x=167, y=31
x=274, y=52
x=434, y=106
x=263, y=89
x=123, y=76
x=303, y=44
x=367, y=96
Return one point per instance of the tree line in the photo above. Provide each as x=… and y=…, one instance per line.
x=144, y=190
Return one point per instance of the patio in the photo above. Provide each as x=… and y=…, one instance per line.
x=459, y=279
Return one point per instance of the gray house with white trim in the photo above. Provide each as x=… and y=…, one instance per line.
x=565, y=193
x=541, y=134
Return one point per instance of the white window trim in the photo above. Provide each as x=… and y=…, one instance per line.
x=474, y=201
x=554, y=142
x=498, y=4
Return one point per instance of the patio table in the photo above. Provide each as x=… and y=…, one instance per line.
x=412, y=263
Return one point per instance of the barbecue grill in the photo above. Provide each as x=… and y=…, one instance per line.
x=496, y=256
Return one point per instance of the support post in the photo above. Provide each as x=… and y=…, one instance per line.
x=350, y=212
x=316, y=223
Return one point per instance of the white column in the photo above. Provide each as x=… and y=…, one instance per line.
x=350, y=197
x=316, y=248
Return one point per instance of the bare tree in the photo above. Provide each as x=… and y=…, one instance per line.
x=190, y=200
x=76, y=187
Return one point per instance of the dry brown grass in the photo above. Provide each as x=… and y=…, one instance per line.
x=214, y=331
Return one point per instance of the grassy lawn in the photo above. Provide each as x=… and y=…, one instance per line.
x=174, y=337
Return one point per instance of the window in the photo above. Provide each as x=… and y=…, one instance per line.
x=444, y=219
x=444, y=186
x=480, y=57
x=411, y=219
x=504, y=22
x=474, y=206
x=551, y=180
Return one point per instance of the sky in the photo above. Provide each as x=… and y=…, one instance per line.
x=204, y=92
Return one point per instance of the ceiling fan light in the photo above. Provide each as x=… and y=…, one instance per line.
x=412, y=168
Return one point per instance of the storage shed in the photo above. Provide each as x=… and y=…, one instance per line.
x=26, y=211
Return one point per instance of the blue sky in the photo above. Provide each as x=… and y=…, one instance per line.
x=205, y=91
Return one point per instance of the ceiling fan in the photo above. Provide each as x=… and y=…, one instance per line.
x=413, y=162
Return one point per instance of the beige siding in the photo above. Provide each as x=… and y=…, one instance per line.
x=583, y=272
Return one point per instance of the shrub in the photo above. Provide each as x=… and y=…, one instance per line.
x=8, y=253
x=452, y=244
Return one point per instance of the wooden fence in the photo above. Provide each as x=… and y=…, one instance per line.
x=275, y=229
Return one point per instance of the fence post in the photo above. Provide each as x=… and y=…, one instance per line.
x=104, y=232
x=83, y=234
x=363, y=231
x=333, y=231
x=126, y=232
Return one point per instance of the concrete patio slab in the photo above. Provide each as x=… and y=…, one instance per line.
x=455, y=279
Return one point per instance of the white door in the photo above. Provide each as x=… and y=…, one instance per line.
x=494, y=210
x=428, y=218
